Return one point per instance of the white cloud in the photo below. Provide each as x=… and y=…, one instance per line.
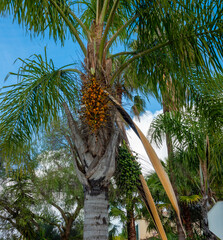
x=136, y=145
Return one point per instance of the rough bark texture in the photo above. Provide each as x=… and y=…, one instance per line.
x=131, y=223
x=96, y=157
x=67, y=229
x=96, y=214
x=187, y=221
x=94, y=152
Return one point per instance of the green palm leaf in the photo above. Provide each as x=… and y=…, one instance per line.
x=35, y=100
x=193, y=28
x=190, y=199
x=56, y=16
x=193, y=31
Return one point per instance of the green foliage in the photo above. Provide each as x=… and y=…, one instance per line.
x=77, y=230
x=123, y=13
x=128, y=171
x=190, y=199
x=123, y=192
x=32, y=103
x=192, y=55
x=58, y=175
x=139, y=105
x=170, y=236
x=187, y=34
x=163, y=26
x=54, y=137
x=196, y=133
x=162, y=203
x=118, y=237
x=192, y=28
x=26, y=202
x=48, y=231
x=189, y=130
x=187, y=182
x=37, y=16
x=16, y=201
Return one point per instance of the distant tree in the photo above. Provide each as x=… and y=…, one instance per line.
x=16, y=202
x=41, y=203
x=61, y=189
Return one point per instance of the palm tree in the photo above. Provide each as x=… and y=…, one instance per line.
x=127, y=179
x=189, y=196
x=174, y=86
x=197, y=135
x=43, y=91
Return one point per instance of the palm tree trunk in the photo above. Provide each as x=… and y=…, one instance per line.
x=96, y=214
x=187, y=221
x=169, y=144
x=204, y=220
x=131, y=222
x=180, y=231
x=94, y=160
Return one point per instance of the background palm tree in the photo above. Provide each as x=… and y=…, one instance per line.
x=194, y=132
x=164, y=74
x=188, y=201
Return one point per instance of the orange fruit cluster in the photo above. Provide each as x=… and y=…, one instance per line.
x=95, y=103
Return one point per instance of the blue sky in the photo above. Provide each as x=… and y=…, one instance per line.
x=16, y=43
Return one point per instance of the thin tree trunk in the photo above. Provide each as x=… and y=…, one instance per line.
x=131, y=222
x=204, y=201
x=187, y=221
x=67, y=229
x=169, y=144
x=96, y=214
x=180, y=231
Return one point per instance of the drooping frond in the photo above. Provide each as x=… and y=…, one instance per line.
x=53, y=17
x=181, y=40
x=35, y=100
x=193, y=28
x=153, y=158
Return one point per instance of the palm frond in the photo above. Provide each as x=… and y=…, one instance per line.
x=194, y=32
x=190, y=126
x=139, y=106
x=157, y=166
x=38, y=16
x=193, y=28
x=190, y=199
x=124, y=11
x=35, y=100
